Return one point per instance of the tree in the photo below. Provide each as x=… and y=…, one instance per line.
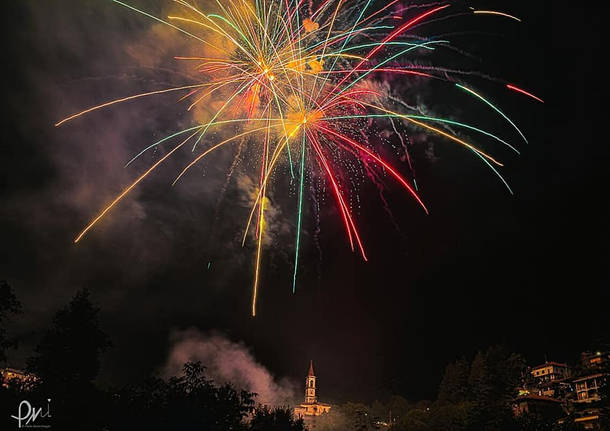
x=451, y=417
x=479, y=385
x=379, y=411
x=494, y=376
x=454, y=386
x=189, y=401
x=8, y=305
x=68, y=355
x=398, y=406
x=66, y=363
x=356, y=414
x=334, y=420
x=416, y=419
x=277, y=419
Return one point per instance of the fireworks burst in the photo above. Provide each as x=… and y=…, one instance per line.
x=296, y=75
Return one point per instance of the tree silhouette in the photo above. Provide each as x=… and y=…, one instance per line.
x=8, y=305
x=454, y=386
x=69, y=353
x=277, y=419
x=186, y=402
x=494, y=376
x=475, y=396
x=67, y=361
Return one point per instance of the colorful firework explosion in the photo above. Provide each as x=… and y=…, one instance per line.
x=296, y=74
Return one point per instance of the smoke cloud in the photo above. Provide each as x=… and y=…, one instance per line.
x=228, y=362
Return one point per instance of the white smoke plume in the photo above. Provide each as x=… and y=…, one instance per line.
x=228, y=362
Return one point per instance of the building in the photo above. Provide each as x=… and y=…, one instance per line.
x=595, y=359
x=551, y=387
x=549, y=371
x=8, y=375
x=587, y=384
x=540, y=405
x=588, y=421
x=311, y=408
x=587, y=387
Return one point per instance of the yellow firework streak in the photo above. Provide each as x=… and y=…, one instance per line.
x=128, y=189
x=493, y=12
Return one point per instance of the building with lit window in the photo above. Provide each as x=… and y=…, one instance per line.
x=587, y=387
x=595, y=359
x=551, y=387
x=549, y=371
x=13, y=376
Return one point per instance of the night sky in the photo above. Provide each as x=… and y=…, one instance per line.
x=485, y=267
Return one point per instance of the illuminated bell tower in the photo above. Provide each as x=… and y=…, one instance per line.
x=311, y=407
x=310, y=386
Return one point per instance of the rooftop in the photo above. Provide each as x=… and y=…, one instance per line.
x=536, y=397
x=590, y=376
x=310, y=369
x=548, y=364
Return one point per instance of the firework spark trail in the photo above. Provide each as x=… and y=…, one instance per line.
x=347, y=218
x=522, y=91
x=391, y=115
x=299, y=217
x=389, y=38
x=438, y=131
x=493, y=12
x=223, y=190
x=495, y=108
x=260, y=227
x=283, y=78
x=368, y=152
x=128, y=189
x=376, y=178
x=124, y=99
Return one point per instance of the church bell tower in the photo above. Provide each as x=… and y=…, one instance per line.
x=311, y=408
x=310, y=386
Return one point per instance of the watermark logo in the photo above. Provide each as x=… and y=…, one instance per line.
x=27, y=415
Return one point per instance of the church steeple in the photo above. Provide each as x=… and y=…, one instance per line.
x=311, y=407
x=310, y=386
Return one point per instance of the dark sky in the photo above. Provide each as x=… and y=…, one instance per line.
x=485, y=267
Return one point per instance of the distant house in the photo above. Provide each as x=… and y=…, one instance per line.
x=587, y=387
x=14, y=375
x=549, y=379
x=552, y=387
x=595, y=359
x=588, y=421
x=540, y=405
x=550, y=371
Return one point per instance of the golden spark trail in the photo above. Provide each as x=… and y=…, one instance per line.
x=209, y=150
x=493, y=12
x=261, y=228
x=125, y=99
x=128, y=189
x=440, y=132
